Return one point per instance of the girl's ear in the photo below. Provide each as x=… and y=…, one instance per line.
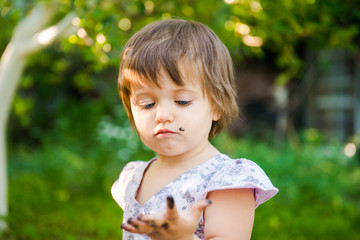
x=216, y=115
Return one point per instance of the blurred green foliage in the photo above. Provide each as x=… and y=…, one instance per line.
x=69, y=137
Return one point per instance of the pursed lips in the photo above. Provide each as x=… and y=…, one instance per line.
x=164, y=131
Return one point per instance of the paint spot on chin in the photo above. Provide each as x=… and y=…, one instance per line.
x=181, y=129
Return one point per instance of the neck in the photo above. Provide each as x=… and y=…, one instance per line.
x=189, y=159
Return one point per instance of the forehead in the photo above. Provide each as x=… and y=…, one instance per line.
x=188, y=74
x=168, y=90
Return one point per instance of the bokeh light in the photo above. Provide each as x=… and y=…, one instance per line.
x=255, y=6
x=124, y=24
x=231, y=1
x=350, y=149
x=252, y=41
x=81, y=33
x=242, y=28
x=100, y=38
x=149, y=7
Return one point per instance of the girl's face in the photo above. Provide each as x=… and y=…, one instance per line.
x=172, y=120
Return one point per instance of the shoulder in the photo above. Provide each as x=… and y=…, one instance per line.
x=133, y=166
x=241, y=173
x=131, y=173
x=132, y=170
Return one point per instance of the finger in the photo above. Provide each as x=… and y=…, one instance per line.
x=128, y=227
x=136, y=226
x=157, y=224
x=141, y=226
x=171, y=212
x=199, y=207
x=154, y=220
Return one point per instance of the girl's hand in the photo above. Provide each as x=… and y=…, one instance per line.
x=169, y=225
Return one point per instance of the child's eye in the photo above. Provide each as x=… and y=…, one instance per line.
x=149, y=105
x=183, y=103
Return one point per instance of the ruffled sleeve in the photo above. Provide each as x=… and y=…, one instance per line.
x=126, y=180
x=241, y=173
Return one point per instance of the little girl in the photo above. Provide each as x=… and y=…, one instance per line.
x=177, y=85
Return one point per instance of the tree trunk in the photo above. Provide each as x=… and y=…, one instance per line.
x=27, y=39
x=3, y=181
x=11, y=67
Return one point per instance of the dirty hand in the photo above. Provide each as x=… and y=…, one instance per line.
x=169, y=225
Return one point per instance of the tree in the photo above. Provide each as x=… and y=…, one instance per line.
x=28, y=38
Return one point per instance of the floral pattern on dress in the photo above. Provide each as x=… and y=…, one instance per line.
x=219, y=172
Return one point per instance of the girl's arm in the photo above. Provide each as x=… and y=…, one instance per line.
x=231, y=216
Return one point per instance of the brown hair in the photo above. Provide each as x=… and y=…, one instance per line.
x=169, y=45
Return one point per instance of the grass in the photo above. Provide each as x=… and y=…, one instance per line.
x=60, y=197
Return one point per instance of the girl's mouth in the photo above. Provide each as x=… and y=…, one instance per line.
x=163, y=132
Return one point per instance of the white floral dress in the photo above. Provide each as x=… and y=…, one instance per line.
x=219, y=172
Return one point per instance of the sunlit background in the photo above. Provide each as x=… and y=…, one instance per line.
x=298, y=76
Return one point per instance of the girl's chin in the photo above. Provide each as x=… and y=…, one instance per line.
x=167, y=149
x=169, y=152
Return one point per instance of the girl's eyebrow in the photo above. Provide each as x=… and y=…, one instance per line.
x=146, y=92
x=142, y=91
x=141, y=94
x=184, y=90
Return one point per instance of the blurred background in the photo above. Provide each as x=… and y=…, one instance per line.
x=298, y=76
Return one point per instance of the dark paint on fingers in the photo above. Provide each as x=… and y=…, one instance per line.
x=152, y=223
x=170, y=202
x=131, y=222
x=165, y=226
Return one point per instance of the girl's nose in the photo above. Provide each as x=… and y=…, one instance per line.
x=164, y=113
